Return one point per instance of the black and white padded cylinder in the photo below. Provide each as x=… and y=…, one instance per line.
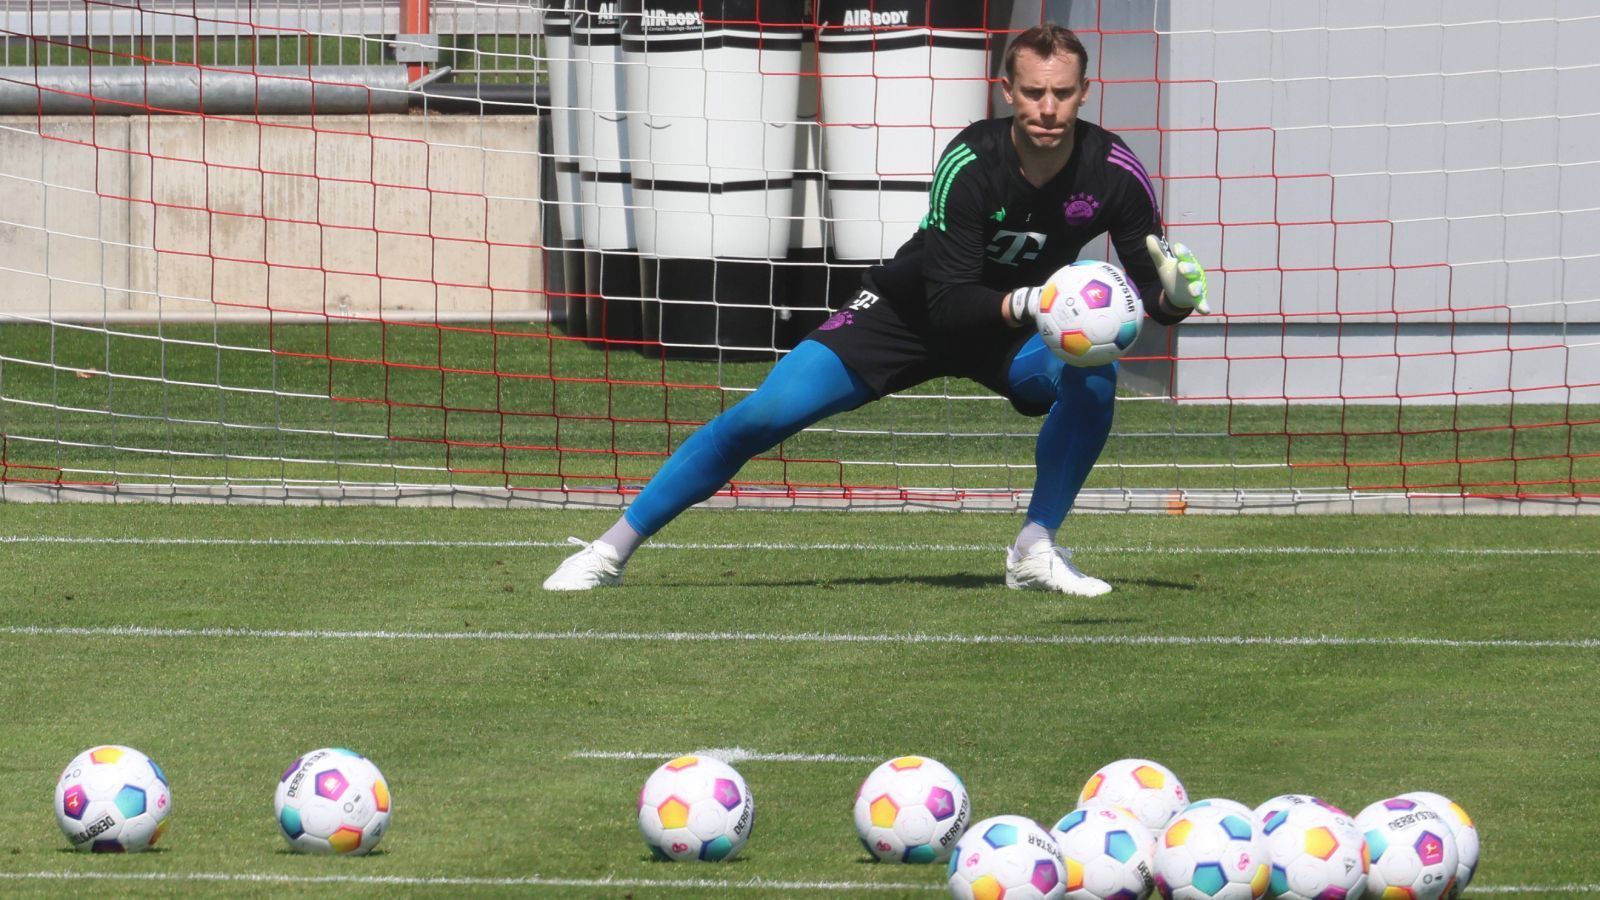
x=900, y=78
x=563, y=123
x=714, y=87
x=611, y=275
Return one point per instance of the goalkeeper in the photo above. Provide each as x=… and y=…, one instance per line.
x=1013, y=199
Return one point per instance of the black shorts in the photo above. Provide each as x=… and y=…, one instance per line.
x=890, y=354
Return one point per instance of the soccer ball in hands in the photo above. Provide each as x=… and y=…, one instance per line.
x=1109, y=854
x=1010, y=857
x=1316, y=853
x=911, y=809
x=1461, y=828
x=112, y=799
x=1412, y=850
x=332, y=801
x=696, y=807
x=1209, y=852
x=1143, y=787
x=1089, y=313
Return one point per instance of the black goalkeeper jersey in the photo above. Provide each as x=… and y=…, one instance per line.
x=988, y=230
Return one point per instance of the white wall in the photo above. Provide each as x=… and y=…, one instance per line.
x=1394, y=200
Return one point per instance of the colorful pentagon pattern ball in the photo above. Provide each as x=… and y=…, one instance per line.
x=1413, y=851
x=911, y=809
x=1089, y=313
x=1316, y=852
x=696, y=808
x=1210, y=853
x=1109, y=854
x=1007, y=858
x=1143, y=787
x=1272, y=807
x=1223, y=803
x=332, y=800
x=1461, y=827
x=112, y=799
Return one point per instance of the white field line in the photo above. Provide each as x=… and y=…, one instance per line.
x=542, y=881
x=728, y=755
x=782, y=546
x=1536, y=889
x=807, y=637
x=684, y=884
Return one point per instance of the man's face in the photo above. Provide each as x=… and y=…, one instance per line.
x=1046, y=94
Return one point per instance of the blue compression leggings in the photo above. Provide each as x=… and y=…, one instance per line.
x=1074, y=431
x=811, y=383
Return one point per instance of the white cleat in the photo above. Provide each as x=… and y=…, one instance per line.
x=596, y=565
x=1046, y=567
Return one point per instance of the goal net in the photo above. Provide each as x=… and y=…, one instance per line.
x=502, y=252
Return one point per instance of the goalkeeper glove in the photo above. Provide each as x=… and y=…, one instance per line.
x=1024, y=303
x=1181, y=276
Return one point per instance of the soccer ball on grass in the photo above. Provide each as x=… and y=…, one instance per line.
x=1226, y=805
x=1008, y=857
x=1209, y=853
x=696, y=807
x=1316, y=853
x=911, y=809
x=1278, y=804
x=1143, y=787
x=1412, y=849
x=332, y=800
x=112, y=799
x=1461, y=828
x=1108, y=852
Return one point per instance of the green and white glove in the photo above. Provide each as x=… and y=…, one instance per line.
x=1024, y=304
x=1181, y=276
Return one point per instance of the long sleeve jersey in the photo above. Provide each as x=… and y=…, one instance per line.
x=988, y=231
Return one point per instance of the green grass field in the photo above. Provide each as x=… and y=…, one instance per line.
x=509, y=406
x=1348, y=657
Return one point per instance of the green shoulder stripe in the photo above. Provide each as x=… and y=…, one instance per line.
x=943, y=178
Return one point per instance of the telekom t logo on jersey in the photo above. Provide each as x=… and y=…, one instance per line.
x=1011, y=247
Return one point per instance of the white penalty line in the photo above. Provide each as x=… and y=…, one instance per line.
x=805, y=637
x=796, y=547
x=536, y=881
x=728, y=755
x=684, y=884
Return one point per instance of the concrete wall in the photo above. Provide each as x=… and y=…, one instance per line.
x=176, y=217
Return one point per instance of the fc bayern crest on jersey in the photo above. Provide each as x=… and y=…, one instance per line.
x=1079, y=208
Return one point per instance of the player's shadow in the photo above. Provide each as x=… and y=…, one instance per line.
x=1079, y=621
x=1159, y=584
x=964, y=581
x=959, y=581
x=73, y=851
x=652, y=858
x=290, y=851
